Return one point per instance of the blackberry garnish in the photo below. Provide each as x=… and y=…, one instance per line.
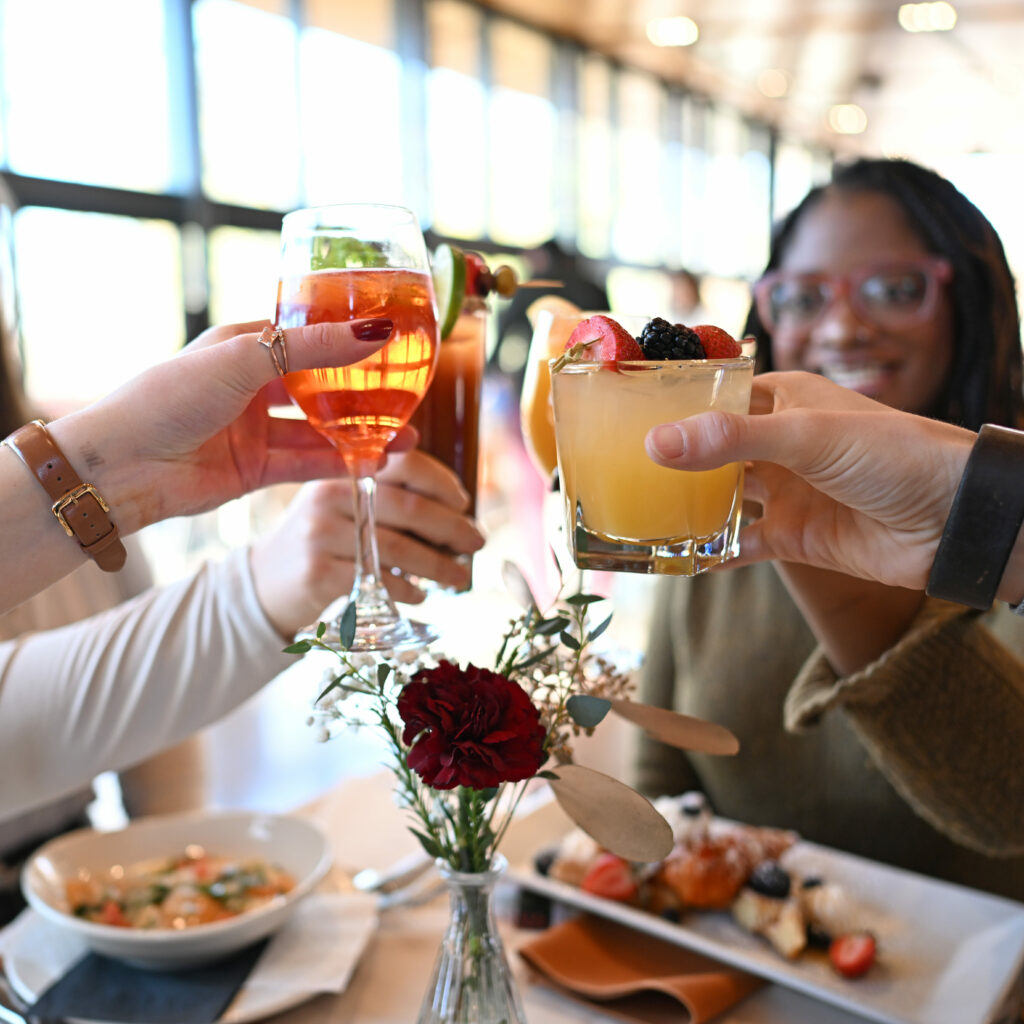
x=543, y=860
x=769, y=878
x=662, y=340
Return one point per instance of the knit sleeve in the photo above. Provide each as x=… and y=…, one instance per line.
x=111, y=689
x=942, y=715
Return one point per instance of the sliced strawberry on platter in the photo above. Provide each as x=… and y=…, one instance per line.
x=718, y=344
x=600, y=339
x=853, y=954
x=610, y=877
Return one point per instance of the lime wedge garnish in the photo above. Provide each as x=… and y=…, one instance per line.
x=448, y=268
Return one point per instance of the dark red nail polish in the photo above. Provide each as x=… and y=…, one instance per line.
x=376, y=329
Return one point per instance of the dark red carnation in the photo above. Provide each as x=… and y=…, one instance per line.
x=469, y=727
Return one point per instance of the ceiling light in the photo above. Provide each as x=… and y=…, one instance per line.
x=927, y=17
x=847, y=119
x=680, y=31
x=773, y=82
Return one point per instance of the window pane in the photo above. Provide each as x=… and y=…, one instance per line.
x=696, y=224
x=639, y=209
x=522, y=168
x=595, y=158
x=523, y=121
x=352, y=148
x=457, y=155
x=456, y=121
x=101, y=300
x=243, y=274
x=797, y=171
x=736, y=197
x=247, y=103
x=82, y=104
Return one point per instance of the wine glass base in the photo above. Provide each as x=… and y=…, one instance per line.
x=404, y=635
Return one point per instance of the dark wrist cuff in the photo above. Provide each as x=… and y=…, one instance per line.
x=984, y=521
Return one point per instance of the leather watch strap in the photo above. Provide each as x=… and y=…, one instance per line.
x=77, y=505
x=984, y=521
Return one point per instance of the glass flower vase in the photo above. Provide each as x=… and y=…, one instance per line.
x=472, y=981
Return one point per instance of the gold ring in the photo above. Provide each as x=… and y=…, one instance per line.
x=270, y=338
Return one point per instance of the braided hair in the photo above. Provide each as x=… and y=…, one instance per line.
x=985, y=381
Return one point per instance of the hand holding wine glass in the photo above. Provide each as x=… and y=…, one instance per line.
x=341, y=263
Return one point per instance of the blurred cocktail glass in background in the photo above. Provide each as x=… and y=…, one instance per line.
x=553, y=322
x=448, y=418
x=624, y=512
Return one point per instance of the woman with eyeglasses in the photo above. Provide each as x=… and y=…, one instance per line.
x=871, y=718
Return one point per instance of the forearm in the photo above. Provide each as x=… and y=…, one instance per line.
x=35, y=550
x=108, y=691
x=942, y=716
x=855, y=621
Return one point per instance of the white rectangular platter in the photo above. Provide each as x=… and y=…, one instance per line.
x=947, y=954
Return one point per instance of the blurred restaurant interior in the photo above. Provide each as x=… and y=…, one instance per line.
x=152, y=146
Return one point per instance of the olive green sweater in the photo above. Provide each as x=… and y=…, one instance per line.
x=916, y=760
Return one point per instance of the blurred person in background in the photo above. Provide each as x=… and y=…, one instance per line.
x=870, y=718
x=685, y=305
x=102, y=670
x=568, y=276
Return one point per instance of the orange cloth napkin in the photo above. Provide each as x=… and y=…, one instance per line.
x=635, y=976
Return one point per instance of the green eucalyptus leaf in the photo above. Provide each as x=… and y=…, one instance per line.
x=569, y=640
x=587, y=711
x=582, y=599
x=532, y=660
x=347, y=627
x=545, y=774
x=301, y=647
x=548, y=627
x=383, y=671
x=320, y=630
x=335, y=685
x=598, y=630
x=429, y=845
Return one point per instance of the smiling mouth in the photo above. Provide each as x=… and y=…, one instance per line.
x=863, y=377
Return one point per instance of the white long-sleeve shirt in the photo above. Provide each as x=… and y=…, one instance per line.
x=112, y=689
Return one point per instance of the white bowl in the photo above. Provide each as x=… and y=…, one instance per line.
x=296, y=845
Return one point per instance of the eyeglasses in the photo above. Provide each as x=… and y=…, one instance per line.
x=891, y=295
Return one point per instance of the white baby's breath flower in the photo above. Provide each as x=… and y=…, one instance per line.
x=364, y=660
x=322, y=735
x=328, y=676
x=310, y=720
x=409, y=657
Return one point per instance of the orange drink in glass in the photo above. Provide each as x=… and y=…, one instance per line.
x=360, y=408
x=342, y=263
x=624, y=512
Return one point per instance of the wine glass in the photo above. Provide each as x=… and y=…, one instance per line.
x=341, y=263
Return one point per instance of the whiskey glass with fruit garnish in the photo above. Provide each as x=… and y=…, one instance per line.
x=341, y=263
x=626, y=513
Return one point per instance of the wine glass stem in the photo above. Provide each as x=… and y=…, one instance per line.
x=368, y=592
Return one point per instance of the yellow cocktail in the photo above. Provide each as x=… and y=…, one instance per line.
x=625, y=512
